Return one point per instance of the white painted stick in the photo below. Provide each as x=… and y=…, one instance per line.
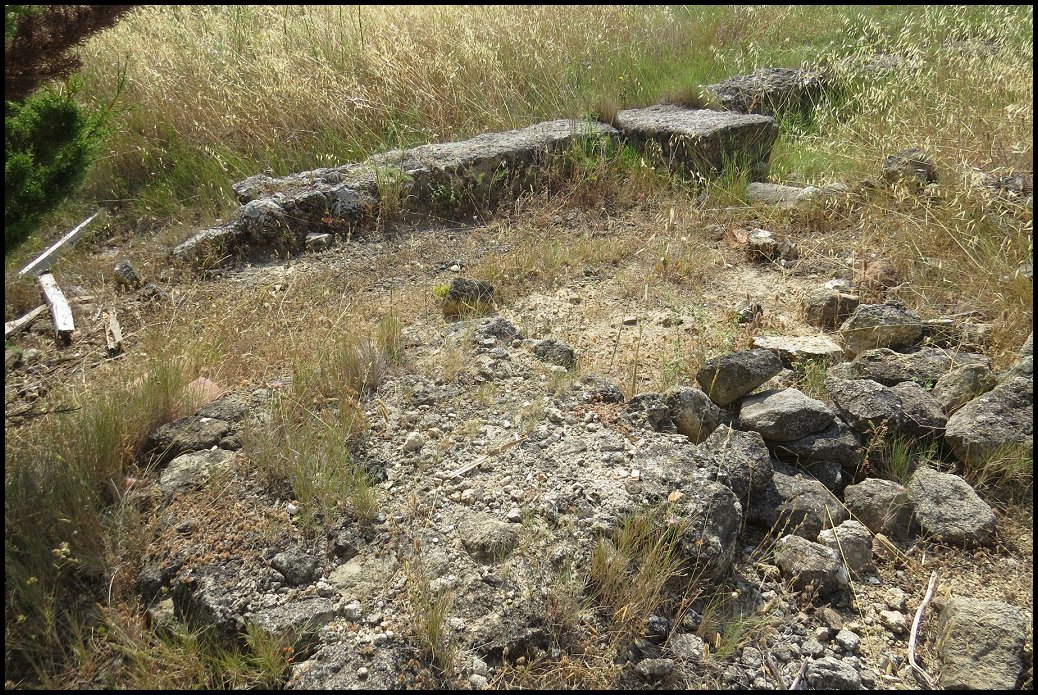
x=60, y=311
x=44, y=260
x=12, y=327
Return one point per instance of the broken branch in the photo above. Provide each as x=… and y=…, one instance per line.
x=916, y=668
x=43, y=261
x=12, y=327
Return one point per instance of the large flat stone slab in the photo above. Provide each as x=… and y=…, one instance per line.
x=701, y=141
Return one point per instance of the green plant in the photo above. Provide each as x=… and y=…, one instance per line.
x=394, y=189
x=430, y=611
x=630, y=572
x=48, y=140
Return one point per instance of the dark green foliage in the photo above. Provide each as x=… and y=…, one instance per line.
x=48, y=141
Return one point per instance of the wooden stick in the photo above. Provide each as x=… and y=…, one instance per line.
x=12, y=327
x=60, y=311
x=800, y=675
x=482, y=459
x=44, y=260
x=775, y=671
x=916, y=668
x=113, y=332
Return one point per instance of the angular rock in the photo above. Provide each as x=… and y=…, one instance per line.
x=1001, y=420
x=920, y=415
x=947, y=508
x=700, y=141
x=788, y=196
x=828, y=473
x=794, y=349
x=495, y=332
x=593, y=389
x=955, y=333
x=880, y=325
x=852, y=541
x=555, y=352
x=830, y=673
x=193, y=470
x=727, y=378
x=826, y=307
x=486, y=538
x=467, y=295
x=738, y=460
x=835, y=443
x=909, y=165
x=317, y=242
x=232, y=409
x=883, y=506
x=126, y=275
x=981, y=644
x=710, y=517
x=204, y=601
x=961, y=385
x=864, y=404
x=795, y=503
x=297, y=566
x=296, y=624
x=784, y=415
x=191, y=433
x=773, y=91
x=650, y=409
x=924, y=366
x=811, y=564
x=693, y=413
x=687, y=648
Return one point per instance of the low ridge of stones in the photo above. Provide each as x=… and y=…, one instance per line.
x=491, y=517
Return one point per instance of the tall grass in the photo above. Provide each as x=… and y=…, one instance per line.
x=63, y=484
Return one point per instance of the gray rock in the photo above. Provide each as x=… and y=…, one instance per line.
x=880, y=325
x=826, y=307
x=1024, y=366
x=210, y=245
x=297, y=623
x=232, y=409
x=193, y=470
x=693, y=413
x=737, y=460
x=762, y=246
x=317, y=242
x=895, y=621
x=555, y=352
x=126, y=275
x=955, y=333
x=948, y=509
x=864, y=404
x=794, y=502
x=467, y=295
x=593, y=389
x=838, y=443
x=654, y=670
x=773, y=91
x=962, y=384
x=265, y=223
x=828, y=473
x=852, y=541
x=909, y=165
x=920, y=415
x=848, y=641
x=796, y=349
x=830, y=673
x=982, y=644
x=710, y=516
x=700, y=141
x=687, y=648
x=191, y=433
x=495, y=331
x=298, y=567
x=810, y=564
x=784, y=415
x=349, y=666
x=204, y=601
x=650, y=410
x=486, y=538
x=789, y=196
x=1000, y=420
x=727, y=378
x=883, y=506
x=923, y=366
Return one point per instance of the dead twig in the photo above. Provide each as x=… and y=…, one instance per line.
x=12, y=327
x=775, y=672
x=916, y=668
x=800, y=675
